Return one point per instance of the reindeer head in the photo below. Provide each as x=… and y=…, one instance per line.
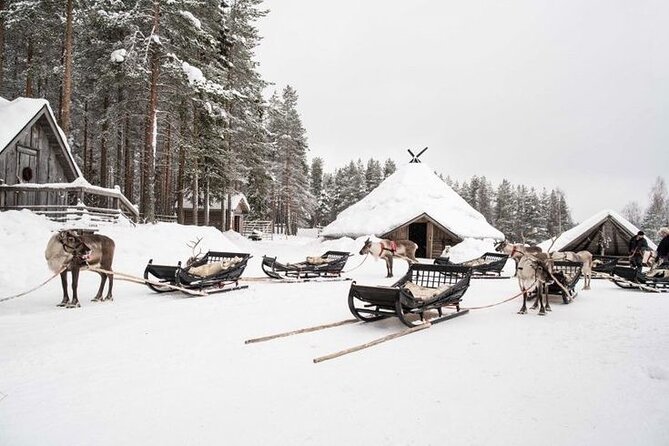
x=499, y=247
x=366, y=247
x=72, y=244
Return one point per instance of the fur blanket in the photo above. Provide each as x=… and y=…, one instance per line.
x=316, y=260
x=422, y=293
x=211, y=269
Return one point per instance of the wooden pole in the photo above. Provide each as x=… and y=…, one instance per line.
x=302, y=330
x=373, y=343
x=135, y=279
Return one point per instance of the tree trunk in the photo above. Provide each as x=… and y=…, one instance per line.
x=167, y=187
x=128, y=159
x=149, y=164
x=104, y=174
x=87, y=165
x=2, y=45
x=66, y=102
x=29, y=69
x=206, y=197
x=196, y=194
x=181, y=183
x=118, y=165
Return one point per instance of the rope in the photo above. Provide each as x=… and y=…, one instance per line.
x=363, y=261
x=501, y=302
x=4, y=299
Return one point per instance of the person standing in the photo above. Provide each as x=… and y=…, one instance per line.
x=637, y=246
x=663, y=247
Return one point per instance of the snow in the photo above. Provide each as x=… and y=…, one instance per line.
x=406, y=194
x=118, y=56
x=572, y=234
x=195, y=21
x=194, y=74
x=164, y=369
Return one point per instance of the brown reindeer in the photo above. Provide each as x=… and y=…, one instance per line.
x=534, y=272
x=387, y=249
x=516, y=251
x=76, y=251
x=585, y=257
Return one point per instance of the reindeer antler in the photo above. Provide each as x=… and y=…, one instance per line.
x=192, y=245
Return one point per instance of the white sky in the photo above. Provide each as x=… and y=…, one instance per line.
x=570, y=94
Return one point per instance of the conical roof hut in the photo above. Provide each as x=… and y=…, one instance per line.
x=413, y=203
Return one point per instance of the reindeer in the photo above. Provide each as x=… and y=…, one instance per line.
x=585, y=257
x=534, y=272
x=387, y=249
x=516, y=251
x=76, y=251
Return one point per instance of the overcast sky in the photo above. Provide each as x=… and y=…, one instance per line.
x=571, y=94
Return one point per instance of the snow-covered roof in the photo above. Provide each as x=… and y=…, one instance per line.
x=566, y=238
x=410, y=192
x=17, y=114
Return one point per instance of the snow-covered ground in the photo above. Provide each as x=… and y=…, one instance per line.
x=165, y=369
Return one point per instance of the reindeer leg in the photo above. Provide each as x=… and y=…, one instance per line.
x=389, y=266
x=66, y=297
x=536, y=299
x=523, y=309
x=586, y=282
x=75, y=284
x=98, y=296
x=109, y=289
x=542, y=309
x=548, y=304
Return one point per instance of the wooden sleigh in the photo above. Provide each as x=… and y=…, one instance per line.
x=222, y=281
x=328, y=266
x=568, y=274
x=603, y=266
x=448, y=283
x=489, y=265
x=630, y=278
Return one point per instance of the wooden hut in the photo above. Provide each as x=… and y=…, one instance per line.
x=605, y=233
x=38, y=171
x=415, y=204
x=230, y=213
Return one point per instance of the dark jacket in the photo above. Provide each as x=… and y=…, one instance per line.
x=637, y=246
x=663, y=248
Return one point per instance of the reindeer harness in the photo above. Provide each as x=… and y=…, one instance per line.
x=392, y=249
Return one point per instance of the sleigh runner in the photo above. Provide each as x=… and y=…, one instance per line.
x=489, y=264
x=424, y=288
x=328, y=266
x=215, y=272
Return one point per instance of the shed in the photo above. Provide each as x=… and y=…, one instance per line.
x=38, y=170
x=605, y=233
x=234, y=208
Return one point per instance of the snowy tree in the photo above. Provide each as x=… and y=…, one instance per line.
x=657, y=213
x=389, y=167
x=295, y=203
x=504, y=208
x=633, y=213
x=373, y=174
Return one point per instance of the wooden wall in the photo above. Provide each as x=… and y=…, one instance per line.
x=36, y=147
x=436, y=238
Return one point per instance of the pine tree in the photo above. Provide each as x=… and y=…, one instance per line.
x=389, y=167
x=504, y=209
x=633, y=213
x=657, y=213
x=373, y=174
